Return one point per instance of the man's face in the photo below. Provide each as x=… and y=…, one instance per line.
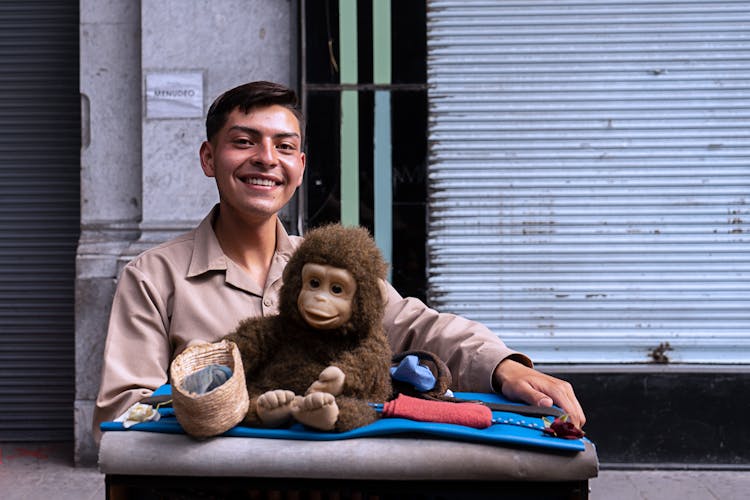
x=257, y=161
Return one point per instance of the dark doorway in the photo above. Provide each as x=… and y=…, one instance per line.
x=40, y=138
x=321, y=92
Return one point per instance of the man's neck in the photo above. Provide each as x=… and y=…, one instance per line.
x=250, y=245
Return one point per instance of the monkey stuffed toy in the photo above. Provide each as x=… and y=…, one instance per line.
x=324, y=357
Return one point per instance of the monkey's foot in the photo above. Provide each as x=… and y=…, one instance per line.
x=274, y=408
x=317, y=410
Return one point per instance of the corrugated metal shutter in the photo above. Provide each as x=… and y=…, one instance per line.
x=589, y=176
x=39, y=217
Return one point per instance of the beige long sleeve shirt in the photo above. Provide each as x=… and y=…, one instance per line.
x=187, y=290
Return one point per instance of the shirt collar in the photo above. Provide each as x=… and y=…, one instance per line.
x=208, y=255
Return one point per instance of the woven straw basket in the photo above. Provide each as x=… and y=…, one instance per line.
x=217, y=411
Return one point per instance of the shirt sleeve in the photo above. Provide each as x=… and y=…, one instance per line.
x=137, y=349
x=470, y=349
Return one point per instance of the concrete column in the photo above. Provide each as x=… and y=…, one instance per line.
x=110, y=74
x=141, y=180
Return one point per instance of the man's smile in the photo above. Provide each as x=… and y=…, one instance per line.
x=259, y=181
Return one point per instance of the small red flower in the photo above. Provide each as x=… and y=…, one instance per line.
x=562, y=428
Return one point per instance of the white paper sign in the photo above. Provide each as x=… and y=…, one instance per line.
x=174, y=95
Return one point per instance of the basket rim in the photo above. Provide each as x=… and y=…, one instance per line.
x=218, y=410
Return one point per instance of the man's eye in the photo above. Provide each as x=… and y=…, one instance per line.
x=337, y=289
x=286, y=147
x=314, y=283
x=243, y=142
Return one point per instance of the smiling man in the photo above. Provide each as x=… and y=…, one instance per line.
x=257, y=161
x=199, y=286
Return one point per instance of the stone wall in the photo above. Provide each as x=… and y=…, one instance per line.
x=141, y=180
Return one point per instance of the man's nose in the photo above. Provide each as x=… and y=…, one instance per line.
x=266, y=153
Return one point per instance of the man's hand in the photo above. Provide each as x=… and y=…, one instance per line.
x=519, y=382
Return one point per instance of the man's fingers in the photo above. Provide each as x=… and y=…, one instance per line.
x=569, y=405
x=526, y=393
x=563, y=396
x=520, y=382
x=529, y=395
x=545, y=400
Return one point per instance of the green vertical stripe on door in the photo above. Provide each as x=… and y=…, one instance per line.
x=381, y=61
x=349, y=113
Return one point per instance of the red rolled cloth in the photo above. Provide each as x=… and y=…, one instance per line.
x=468, y=414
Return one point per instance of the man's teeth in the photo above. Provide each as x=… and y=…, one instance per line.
x=261, y=182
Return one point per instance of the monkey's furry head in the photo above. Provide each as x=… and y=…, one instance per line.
x=350, y=248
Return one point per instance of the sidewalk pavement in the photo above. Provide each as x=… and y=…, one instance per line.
x=45, y=472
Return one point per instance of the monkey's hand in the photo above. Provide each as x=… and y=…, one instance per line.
x=330, y=380
x=317, y=410
x=274, y=407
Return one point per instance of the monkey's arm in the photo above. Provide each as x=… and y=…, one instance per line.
x=254, y=338
x=256, y=341
x=366, y=370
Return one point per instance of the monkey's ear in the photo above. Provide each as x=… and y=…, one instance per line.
x=383, y=290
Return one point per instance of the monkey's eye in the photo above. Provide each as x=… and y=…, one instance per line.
x=337, y=289
x=314, y=283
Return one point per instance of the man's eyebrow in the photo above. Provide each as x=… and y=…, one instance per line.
x=253, y=131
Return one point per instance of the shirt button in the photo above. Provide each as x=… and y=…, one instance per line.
x=267, y=302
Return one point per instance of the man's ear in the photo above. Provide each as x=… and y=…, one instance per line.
x=207, y=159
x=302, y=159
x=383, y=291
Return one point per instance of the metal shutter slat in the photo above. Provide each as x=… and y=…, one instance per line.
x=39, y=217
x=588, y=175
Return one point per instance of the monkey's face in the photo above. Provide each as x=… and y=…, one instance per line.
x=325, y=300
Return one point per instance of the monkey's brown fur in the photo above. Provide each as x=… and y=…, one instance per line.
x=283, y=352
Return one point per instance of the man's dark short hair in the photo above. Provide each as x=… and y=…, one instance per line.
x=249, y=96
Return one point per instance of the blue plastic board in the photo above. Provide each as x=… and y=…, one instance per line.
x=501, y=434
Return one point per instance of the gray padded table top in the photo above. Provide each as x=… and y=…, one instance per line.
x=402, y=458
